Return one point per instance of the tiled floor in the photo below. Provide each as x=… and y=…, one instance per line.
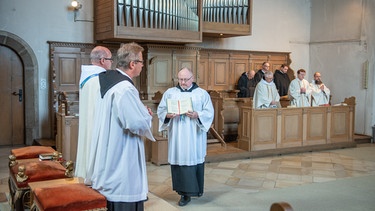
x=236, y=185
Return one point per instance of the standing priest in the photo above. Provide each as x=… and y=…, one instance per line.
x=320, y=93
x=101, y=60
x=300, y=91
x=187, y=135
x=118, y=164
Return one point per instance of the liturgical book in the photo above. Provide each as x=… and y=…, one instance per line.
x=179, y=106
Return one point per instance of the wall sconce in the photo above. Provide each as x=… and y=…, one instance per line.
x=76, y=5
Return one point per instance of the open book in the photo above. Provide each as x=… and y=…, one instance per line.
x=179, y=106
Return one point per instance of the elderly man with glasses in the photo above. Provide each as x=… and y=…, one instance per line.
x=266, y=95
x=117, y=167
x=88, y=92
x=187, y=134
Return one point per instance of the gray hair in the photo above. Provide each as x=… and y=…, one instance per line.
x=128, y=52
x=97, y=53
x=268, y=74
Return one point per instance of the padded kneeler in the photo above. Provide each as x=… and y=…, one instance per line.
x=72, y=197
x=31, y=152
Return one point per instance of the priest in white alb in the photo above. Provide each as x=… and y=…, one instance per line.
x=319, y=92
x=187, y=135
x=300, y=91
x=266, y=94
x=101, y=60
x=117, y=166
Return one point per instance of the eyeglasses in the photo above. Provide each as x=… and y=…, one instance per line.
x=138, y=61
x=184, y=79
x=110, y=59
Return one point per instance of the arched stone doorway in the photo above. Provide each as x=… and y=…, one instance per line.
x=30, y=63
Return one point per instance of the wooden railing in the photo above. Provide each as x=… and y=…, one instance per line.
x=266, y=129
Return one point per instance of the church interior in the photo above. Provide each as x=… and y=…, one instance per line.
x=307, y=158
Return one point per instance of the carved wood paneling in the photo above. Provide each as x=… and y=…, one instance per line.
x=162, y=65
x=340, y=117
x=160, y=74
x=256, y=60
x=220, y=73
x=297, y=127
x=291, y=128
x=316, y=131
x=264, y=127
x=238, y=66
x=203, y=78
x=244, y=132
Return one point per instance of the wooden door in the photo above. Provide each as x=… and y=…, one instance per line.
x=12, y=124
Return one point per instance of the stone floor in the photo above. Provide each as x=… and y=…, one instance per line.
x=341, y=179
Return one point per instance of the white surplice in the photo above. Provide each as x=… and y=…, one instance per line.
x=264, y=94
x=118, y=165
x=318, y=96
x=88, y=92
x=297, y=98
x=187, y=138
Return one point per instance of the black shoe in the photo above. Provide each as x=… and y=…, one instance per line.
x=184, y=200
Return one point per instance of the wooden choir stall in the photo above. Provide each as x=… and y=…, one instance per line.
x=286, y=130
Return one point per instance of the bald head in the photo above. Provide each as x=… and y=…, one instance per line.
x=101, y=56
x=185, y=77
x=251, y=74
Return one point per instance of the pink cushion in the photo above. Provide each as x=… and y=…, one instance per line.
x=31, y=151
x=72, y=197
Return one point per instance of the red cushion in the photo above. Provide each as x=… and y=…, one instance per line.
x=39, y=171
x=31, y=151
x=70, y=197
